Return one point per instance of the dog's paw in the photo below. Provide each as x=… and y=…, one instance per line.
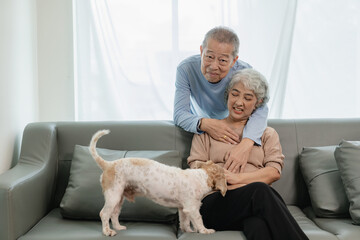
x=187, y=229
x=109, y=232
x=120, y=227
x=206, y=231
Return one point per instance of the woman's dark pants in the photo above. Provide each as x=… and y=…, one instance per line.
x=256, y=209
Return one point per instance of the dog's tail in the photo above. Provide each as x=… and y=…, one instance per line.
x=99, y=160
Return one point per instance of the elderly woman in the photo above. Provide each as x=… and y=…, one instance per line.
x=251, y=204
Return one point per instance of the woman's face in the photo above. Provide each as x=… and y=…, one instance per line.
x=241, y=102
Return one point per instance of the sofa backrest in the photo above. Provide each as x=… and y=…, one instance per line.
x=124, y=135
x=164, y=135
x=300, y=133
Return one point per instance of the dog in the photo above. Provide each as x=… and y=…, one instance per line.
x=166, y=185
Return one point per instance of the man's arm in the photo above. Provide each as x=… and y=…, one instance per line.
x=191, y=122
x=219, y=130
x=182, y=114
x=256, y=125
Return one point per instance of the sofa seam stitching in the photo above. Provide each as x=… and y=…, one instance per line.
x=320, y=174
x=297, y=138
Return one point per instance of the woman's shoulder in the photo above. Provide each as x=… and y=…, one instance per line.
x=269, y=130
x=203, y=137
x=270, y=133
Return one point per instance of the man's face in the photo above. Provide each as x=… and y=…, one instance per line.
x=216, y=60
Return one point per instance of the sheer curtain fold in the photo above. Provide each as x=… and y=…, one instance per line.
x=118, y=76
x=126, y=56
x=280, y=68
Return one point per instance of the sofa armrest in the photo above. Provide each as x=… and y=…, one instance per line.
x=26, y=191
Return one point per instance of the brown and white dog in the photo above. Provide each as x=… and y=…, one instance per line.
x=166, y=185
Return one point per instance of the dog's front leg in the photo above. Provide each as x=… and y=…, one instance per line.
x=184, y=222
x=194, y=215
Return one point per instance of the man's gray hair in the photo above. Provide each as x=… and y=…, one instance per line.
x=223, y=35
x=252, y=80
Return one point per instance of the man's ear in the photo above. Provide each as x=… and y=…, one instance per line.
x=201, y=50
x=234, y=61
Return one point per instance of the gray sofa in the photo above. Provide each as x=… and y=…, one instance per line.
x=32, y=192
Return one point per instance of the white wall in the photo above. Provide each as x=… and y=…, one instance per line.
x=18, y=75
x=55, y=60
x=36, y=73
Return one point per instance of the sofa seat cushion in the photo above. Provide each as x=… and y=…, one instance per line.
x=309, y=227
x=54, y=227
x=225, y=235
x=83, y=198
x=343, y=228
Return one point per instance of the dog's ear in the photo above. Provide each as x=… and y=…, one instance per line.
x=220, y=182
x=221, y=185
x=198, y=164
x=216, y=175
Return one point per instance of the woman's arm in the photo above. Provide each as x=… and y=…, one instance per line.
x=272, y=163
x=266, y=175
x=237, y=158
x=199, y=152
x=254, y=129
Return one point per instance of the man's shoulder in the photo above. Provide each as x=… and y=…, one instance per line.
x=241, y=65
x=190, y=61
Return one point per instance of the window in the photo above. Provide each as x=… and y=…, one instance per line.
x=126, y=53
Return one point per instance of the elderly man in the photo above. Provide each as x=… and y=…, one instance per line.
x=199, y=103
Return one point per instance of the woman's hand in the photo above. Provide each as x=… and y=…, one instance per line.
x=233, y=180
x=237, y=157
x=231, y=187
x=219, y=130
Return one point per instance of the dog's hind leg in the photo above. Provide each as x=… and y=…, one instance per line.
x=112, y=199
x=115, y=215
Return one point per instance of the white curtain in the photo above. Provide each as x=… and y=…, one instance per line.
x=126, y=53
x=324, y=67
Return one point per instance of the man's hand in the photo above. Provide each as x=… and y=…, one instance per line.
x=219, y=130
x=237, y=157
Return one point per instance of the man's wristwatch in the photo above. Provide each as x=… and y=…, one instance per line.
x=198, y=125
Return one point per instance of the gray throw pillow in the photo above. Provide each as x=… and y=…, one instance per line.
x=347, y=156
x=322, y=177
x=83, y=198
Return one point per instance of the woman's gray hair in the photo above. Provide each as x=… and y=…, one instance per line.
x=252, y=80
x=223, y=35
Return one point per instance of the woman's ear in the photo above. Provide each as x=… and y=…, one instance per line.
x=259, y=103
